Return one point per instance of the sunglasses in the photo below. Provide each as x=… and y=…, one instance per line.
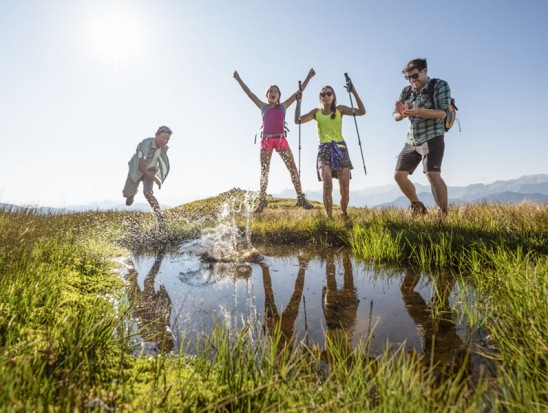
x=326, y=94
x=414, y=76
x=165, y=129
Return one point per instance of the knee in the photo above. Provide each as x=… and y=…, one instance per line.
x=400, y=176
x=327, y=186
x=433, y=176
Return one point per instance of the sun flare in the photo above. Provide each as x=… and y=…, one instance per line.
x=115, y=36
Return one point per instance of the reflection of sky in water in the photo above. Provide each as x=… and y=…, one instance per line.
x=202, y=292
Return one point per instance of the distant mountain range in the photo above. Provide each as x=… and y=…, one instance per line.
x=95, y=206
x=533, y=188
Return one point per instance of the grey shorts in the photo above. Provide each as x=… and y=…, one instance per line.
x=131, y=187
x=430, y=153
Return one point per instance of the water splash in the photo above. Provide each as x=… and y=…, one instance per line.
x=225, y=242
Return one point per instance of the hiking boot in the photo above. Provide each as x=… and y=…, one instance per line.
x=262, y=205
x=303, y=202
x=129, y=200
x=417, y=208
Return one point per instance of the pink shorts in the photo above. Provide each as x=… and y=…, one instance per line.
x=270, y=144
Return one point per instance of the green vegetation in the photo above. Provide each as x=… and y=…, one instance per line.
x=65, y=340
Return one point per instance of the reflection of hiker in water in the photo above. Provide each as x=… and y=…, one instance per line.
x=434, y=322
x=285, y=322
x=340, y=306
x=152, y=307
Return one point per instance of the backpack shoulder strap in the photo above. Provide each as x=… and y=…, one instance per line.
x=431, y=90
x=266, y=106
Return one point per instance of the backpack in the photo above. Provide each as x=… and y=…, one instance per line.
x=271, y=127
x=452, y=113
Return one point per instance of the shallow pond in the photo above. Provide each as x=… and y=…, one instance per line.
x=317, y=293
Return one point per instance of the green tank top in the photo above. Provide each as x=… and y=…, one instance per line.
x=329, y=130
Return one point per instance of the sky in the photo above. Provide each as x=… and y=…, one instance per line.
x=83, y=82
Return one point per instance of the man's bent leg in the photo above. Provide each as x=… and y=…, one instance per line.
x=155, y=207
x=406, y=186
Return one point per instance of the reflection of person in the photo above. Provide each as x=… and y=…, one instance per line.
x=425, y=137
x=285, y=321
x=153, y=307
x=274, y=138
x=333, y=158
x=434, y=322
x=340, y=306
x=149, y=164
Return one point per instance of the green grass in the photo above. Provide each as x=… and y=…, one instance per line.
x=65, y=341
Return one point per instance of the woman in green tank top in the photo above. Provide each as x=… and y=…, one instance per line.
x=333, y=158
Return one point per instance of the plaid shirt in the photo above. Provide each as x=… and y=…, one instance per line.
x=423, y=129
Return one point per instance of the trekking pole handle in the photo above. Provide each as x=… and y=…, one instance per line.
x=348, y=82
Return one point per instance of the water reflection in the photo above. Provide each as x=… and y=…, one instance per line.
x=285, y=321
x=340, y=305
x=341, y=299
x=152, y=306
x=441, y=345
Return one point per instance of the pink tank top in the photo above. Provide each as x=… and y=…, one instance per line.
x=273, y=121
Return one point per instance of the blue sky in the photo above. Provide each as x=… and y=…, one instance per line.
x=82, y=82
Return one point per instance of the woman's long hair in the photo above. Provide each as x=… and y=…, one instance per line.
x=333, y=103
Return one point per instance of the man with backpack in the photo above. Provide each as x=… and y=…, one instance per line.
x=426, y=103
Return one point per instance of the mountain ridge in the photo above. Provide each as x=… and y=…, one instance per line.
x=531, y=188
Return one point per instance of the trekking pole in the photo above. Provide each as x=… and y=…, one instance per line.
x=299, y=109
x=349, y=88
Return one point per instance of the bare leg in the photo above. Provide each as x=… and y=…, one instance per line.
x=287, y=157
x=266, y=156
x=155, y=206
x=406, y=186
x=344, y=188
x=327, y=180
x=439, y=189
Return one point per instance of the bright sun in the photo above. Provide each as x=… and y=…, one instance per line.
x=115, y=36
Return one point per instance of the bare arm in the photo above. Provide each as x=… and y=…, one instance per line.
x=247, y=91
x=304, y=118
x=297, y=94
x=146, y=172
x=359, y=111
x=424, y=113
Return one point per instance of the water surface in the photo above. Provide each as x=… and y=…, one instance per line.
x=316, y=293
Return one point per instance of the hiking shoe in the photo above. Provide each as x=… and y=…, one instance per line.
x=129, y=200
x=262, y=205
x=417, y=208
x=303, y=202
